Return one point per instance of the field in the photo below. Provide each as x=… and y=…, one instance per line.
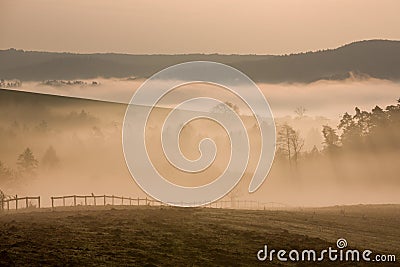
x=164, y=236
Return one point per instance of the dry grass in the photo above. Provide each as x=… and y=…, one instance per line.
x=163, y=236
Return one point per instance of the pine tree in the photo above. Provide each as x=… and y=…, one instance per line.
x=27, y=162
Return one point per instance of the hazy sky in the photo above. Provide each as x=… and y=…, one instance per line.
x=187, y=26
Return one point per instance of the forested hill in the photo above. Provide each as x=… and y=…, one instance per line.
x=374, y=58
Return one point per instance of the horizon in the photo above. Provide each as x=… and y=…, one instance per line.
x=205, y=54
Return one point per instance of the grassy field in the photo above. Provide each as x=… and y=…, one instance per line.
x=164, y=236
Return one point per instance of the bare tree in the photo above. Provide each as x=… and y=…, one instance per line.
x=289, y=143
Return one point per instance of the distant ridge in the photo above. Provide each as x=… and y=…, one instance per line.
x=372, y=58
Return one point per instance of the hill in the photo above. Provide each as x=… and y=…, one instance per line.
x=373, y=58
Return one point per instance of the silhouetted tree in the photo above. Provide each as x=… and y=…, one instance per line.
x=331, y=139
x=283, y=141
x=393, y=117
x=27, y=162
x=393, y=112
x=377, y=130
x=362, y=120
x=351, y=132
x=289, y=143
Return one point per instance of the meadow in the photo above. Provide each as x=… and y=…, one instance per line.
x=167, y=236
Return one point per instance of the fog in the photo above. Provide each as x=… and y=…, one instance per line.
x=322, y=98
x=86, y=136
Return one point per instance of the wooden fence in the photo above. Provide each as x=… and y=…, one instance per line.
x=104, y=200
x=13, y=202
x=101, y=200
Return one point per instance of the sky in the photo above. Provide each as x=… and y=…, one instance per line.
x=189, y=26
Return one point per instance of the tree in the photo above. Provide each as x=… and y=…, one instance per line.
x=50, y=159
x=351, y=132
x=283, y=141
x=393, y=116
x=289, y=143
x=331, y=139
x=363, y=121
x=393, y=112
x=297, y=144
x=377, y=130
x=27, y=162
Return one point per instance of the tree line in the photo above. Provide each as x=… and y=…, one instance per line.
x=27, y=165
x=374, y=131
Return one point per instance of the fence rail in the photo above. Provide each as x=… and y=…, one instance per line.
x=14, y=203
x=102, y=200
x=6, y=203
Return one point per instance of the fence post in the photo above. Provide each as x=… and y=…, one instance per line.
x=122, y=201
x=8, y=205
x=74, y=200
x=85, y=200
x=130, y=201
x=94, y=200
x=16, y=202
x=146, y=201
x=104, y=200
x=138, y=201
x=39, y=202
x=63, y=201
x=112, y=200
x=26, y=202
x=52, y=202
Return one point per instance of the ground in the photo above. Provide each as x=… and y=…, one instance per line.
x=165, y=236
